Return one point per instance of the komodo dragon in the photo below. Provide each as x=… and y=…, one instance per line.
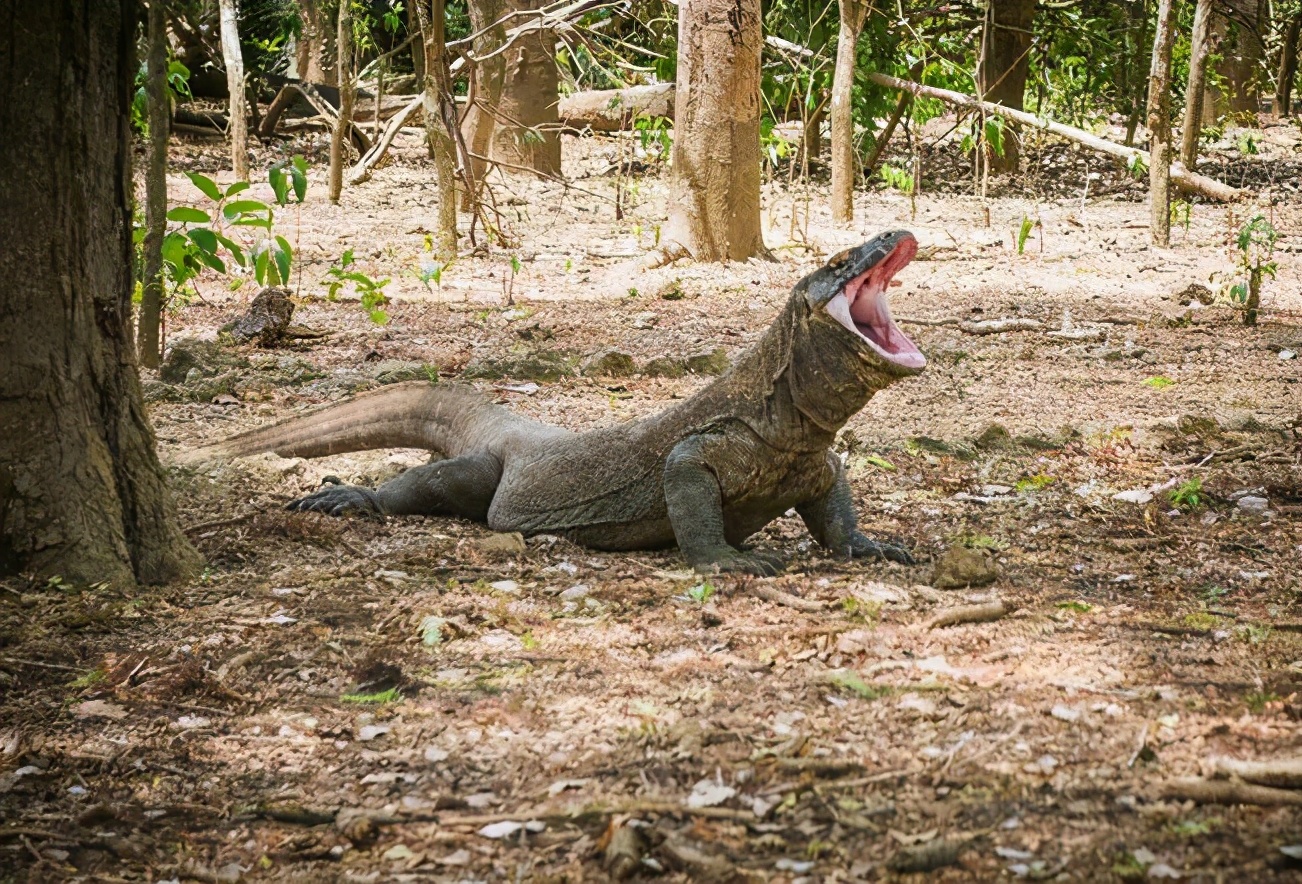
x=706, y=473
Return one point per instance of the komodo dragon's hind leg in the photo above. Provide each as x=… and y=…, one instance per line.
x=832, y=521
x=462, y=486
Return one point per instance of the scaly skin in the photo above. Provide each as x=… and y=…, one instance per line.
x=705, y=473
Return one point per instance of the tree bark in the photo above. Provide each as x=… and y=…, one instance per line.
x=527, y=133
x=341, y=134
x=314, y=45
x=1242, y=52
x=844, y=167
x=82, y=494
x=1159, y=127
x=160, y=118
x=486, y=89
x=1192, y=181
x=234, y=60
x=1005, y=63
x=1136, y=69
x=615, y=110
x=1288, y=67
x=715, y=175
x=440, y=122
x=1193, y=93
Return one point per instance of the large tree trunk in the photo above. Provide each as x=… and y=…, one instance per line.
x=1239, y=44
x=1139, y=54
x=1159, y=127
x=315, y=50
x=1193, y=93
x=1287, y=67
x=1005, y=63
x=527, y=133
x=844, y=167
x=234, y=59
x=440, y=121
x=486, y=90
x=339, y=137
x=715, y=177
x=82, y=494
x=160, y=118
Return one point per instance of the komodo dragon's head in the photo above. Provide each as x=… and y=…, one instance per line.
x=846, y=300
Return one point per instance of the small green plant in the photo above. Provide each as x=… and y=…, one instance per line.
x=897, y=179
x=89, y=679
x=1256, y=259
x=370, y=291
x=392, y=695
x=656, y=136
x=1159, y=382
x=1182, y=213
x=1024, y=233
x=1213, y=593
x=1076, y=607
x=1188, y=495
x=991, y=139
x=701, y=592
x=1257, y=701
x=1038, y=482
x=1137, y=166
x=849, y=680
x=861, y=610
x=880, y=462
x=1247, y=145
x=178, y=86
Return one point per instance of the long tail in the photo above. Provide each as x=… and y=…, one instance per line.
x=447, y=419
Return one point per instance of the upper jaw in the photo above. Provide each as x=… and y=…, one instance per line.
x=857, y=299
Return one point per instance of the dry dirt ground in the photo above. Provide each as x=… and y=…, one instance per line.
x=392, y=701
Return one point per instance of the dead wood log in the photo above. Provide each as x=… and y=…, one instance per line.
x=1191, y=181
x=1281, y=773
x=365, y=165
x=614, y=110
x=1228, y=792
x=982, y=613
x=999, y=326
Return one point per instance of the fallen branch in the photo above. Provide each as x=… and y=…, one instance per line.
x=1228, y=792
x=778, y=597
x=982, y=613
x=364, y=166
x=614, y=110
x=1282, y=773
x=1201, y=184
x=999, y=326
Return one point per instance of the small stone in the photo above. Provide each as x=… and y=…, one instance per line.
x=574, y=593
x=502, y=545
x=1134, y=495
x=609, y=364
x=1287, y=354
x=960, y=567
x=1251, y=503
x=510, y=587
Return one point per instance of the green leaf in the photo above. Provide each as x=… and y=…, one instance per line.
x=299, y=179
x=205, y=239
x=379, y=317
x=300, y=163
x=187, y=215
x=234, y=248
x=175, y=247
x=880, y=462
x=206, y=184
x=244, y=207
x=276, y=176
x=237, y=187
x=253, y=221
x=1159, y=382
x=346, y=258
x=212, y=261
x=283, y=261
x=260, y=264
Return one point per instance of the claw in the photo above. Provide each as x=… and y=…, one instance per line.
x=337, y=500
x=865, y=548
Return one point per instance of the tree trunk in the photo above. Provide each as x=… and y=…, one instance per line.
x=1159, y=127
x=1288, y=67
x=440, y=122
x=1140, y=52
x=527, y=133
x=314, y=45
x=844, y=165
x=715, y=175
x=614, y=110
x=160, y=118
x=82, y=494
x=234, y=59
x=486, y=90
x=340, y=136
x=1241, y=54
x=1005, y=63
x=1193, y=93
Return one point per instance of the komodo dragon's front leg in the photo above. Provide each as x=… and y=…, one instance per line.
x=695, y=503
x=832, y=521
x=461, y=486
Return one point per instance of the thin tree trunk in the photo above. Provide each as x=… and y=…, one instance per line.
x=715, y=176
x=1141, y=54
x=1193, y=93
x=1288, y=67
x=234, y=59
x=479, y=123
x=160, y=118
x=312, y=59
x=437, y=108
x=340, y=137
x=1159, y=127
x=1005, y=64
x=853, y=13
x=874, y=158
x=82, y=494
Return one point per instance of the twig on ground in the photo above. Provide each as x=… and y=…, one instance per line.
x=1281, y=773
x=1139, y=746
x=778, y=597
x=1229, y=792
x=982, y=613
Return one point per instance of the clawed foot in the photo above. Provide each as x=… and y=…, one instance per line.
x=339, y=500
x=734, y=561
x=864, y=547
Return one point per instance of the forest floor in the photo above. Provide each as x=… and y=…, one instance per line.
x=389, y=701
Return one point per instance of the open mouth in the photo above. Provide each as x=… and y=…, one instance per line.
x=861, y=307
